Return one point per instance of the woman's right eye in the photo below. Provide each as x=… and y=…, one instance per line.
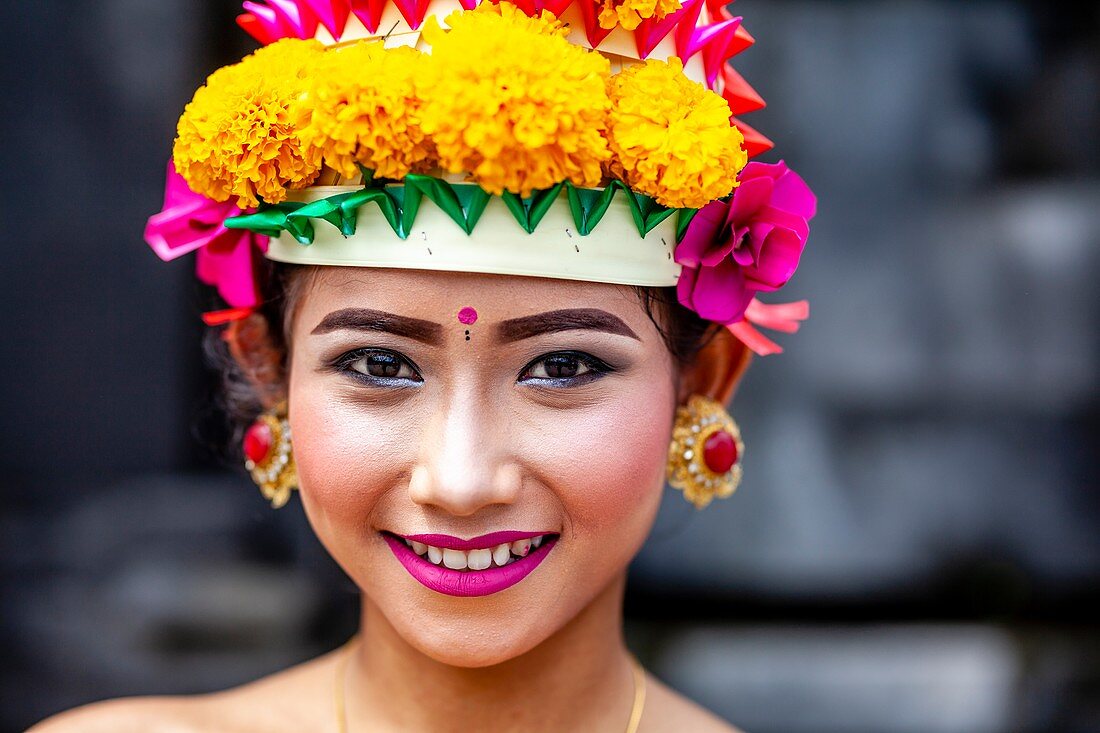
x=380, y=365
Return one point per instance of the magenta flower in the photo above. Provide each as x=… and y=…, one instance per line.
x=750, y=244
x=225, y=258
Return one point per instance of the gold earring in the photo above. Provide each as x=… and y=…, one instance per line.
x=268, y=456
x=704, y=459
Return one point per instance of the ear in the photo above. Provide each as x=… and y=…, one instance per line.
x=260, y=357
x=717, y=369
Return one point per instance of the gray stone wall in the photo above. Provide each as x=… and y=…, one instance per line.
x=915, y=543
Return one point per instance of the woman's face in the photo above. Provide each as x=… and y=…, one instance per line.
x=447, y=407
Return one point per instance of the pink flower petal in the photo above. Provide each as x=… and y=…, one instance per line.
x=748, y=198
x=786, y=220
x=721, y=249
x=793, y=195
x=701, y=234
x=778, y=261
x=685, y=287
x=743, y=254
x=720, y=294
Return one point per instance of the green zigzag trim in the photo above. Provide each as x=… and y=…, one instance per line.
x=462, y=202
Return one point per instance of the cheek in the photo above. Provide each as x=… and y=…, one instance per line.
x=608, y=468
x=346, y=460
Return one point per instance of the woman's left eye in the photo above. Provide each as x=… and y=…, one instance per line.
x=564, y=367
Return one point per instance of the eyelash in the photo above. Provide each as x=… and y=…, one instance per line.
x=344, y=364
x=597, y=368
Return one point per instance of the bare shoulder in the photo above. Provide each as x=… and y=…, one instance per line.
x=125, y=715
x=292, y=700
x=668, y=711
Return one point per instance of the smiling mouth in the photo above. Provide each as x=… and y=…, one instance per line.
x=475, y=560
x=478, y=567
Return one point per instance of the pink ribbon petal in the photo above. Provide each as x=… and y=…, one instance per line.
x=785, y=317
x=760, y=344
x=191, y=222
x=232, y=273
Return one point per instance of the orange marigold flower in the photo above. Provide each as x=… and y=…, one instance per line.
x=364, y=109
x=672, y=136
x=509, y=100
x=630, y=13
x=238, y=135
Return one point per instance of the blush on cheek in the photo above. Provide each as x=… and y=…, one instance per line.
x=342, y=459
x=610, y=472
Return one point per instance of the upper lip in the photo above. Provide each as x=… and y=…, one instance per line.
x=448, y=542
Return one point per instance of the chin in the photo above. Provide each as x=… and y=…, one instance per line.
x=491, y=630
x=474, y=640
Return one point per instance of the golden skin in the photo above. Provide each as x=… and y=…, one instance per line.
x=466, y=437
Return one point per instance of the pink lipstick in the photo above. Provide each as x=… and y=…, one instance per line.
x=467, y=583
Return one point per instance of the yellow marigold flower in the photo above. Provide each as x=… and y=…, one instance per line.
x=630, y=13
x=238, y=135
x=364, y=109
x=672, y=136
x=510, y=101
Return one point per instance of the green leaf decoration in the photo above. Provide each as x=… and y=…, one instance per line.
x=464, y=203
x=269, y=220
x=589, y=205
x=342, y=209
x=300, y=229
x=646, y=211
x=683, y=220
x=474, y=199
x=408, y=203
x=529, y=211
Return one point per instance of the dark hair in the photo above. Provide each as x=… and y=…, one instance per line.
x=683, y=331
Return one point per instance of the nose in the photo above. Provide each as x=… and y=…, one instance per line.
x=464, y=465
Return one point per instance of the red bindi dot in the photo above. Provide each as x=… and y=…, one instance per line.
x=467, y=316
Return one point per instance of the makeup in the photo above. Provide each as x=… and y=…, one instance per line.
x=525, y=557
x=467, y=317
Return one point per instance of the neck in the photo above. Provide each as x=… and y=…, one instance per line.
x=580, y=678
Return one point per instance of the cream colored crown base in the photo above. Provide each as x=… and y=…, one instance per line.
x=612, y=253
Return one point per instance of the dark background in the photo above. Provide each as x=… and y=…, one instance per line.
x=915, y=547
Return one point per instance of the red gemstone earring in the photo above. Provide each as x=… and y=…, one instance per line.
x=268, y=456
x=704, y=459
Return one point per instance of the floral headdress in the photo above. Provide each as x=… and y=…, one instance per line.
x=382, y=133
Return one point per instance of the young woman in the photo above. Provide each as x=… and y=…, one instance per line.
x=514, y=310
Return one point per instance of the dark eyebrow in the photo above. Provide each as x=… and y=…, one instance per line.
x=592, y=319
x=365, y=319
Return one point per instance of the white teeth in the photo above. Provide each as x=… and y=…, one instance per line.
x=479, y=559
x=482, y=559
x=454, y=559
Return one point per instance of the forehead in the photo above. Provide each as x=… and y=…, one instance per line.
x=453, y=297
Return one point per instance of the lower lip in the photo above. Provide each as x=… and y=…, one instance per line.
x=467, y=583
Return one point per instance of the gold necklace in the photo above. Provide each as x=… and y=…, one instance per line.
x=341, y=681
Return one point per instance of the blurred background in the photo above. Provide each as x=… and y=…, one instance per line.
x=916, y=545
